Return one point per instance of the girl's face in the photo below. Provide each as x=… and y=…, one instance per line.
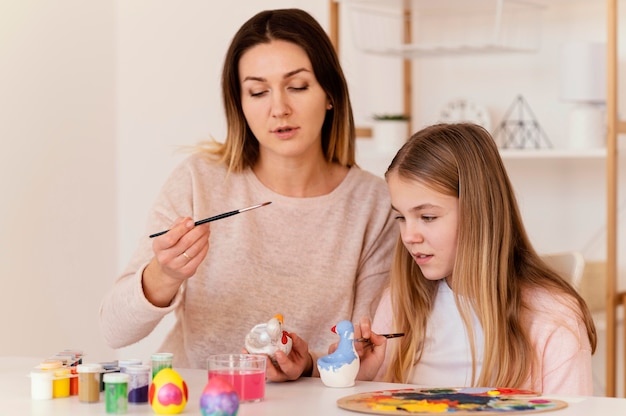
x=282, y=101
x=428, y=224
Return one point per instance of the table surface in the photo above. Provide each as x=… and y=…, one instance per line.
x=307, y=396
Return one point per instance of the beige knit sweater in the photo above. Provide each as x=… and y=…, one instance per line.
x=315, y=260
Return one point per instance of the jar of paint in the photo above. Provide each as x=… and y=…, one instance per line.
x=138, y=383
x=41, y=384
x=61, y=383
x=89, y=382
x=122, y=364
x=73, y=381
x=161, y=360
x=116, y=392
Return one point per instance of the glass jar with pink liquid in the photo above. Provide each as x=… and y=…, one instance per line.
x=244, y=372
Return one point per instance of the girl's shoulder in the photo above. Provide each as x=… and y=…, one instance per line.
x=547, y=307
x=542, y=300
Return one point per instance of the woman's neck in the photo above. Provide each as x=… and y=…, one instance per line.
x=300, y=180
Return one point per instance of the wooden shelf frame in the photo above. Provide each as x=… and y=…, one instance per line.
x=614, y=298
x=407, y=70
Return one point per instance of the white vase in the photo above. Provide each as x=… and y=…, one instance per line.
x=390, y=135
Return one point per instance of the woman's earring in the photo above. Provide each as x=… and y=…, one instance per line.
x=329, y=107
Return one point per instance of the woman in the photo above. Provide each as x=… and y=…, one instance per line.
x=320, y=250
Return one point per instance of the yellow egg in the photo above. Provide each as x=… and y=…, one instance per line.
x=168, y=393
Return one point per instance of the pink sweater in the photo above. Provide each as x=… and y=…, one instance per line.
x=559, y=338
x=315, y=260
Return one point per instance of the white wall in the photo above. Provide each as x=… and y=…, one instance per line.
x=57, y=174
x=97, y=98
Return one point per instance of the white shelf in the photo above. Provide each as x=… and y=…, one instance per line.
x=508, y=154
x=410, y=50
x=471, y=27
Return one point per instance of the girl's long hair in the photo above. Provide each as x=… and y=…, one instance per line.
x=495, y=261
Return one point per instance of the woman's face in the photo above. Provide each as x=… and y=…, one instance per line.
x=282, y=101
x=428, y=224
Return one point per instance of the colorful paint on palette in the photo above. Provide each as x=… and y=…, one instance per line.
x=460, y=401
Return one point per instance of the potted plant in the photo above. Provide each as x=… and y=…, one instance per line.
x=390, y=130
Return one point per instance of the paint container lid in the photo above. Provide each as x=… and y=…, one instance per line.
x=89, y=368
x=42, y=375
x=50, y=364
x=138, y=369
x=162, y=356
x=129, y=361
x=115, y=378
x=62, y=373
x=109, y=365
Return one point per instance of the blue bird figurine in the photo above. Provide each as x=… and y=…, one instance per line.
x=340, y=368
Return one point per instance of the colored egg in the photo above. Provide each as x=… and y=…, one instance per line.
x=219, y=399
x=168, y=392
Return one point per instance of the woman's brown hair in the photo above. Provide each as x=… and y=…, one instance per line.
x=240, y=148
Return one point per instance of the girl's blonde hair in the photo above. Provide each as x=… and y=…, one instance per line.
x=240, y=148
x=494, y=253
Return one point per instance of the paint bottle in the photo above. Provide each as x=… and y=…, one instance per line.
x=161, y=360
x=89, y=382
x=61, y=382
x=138, y=383
x=73, y=381
x=116, y=392
x=41, y=384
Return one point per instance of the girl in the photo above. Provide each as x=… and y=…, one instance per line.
x=477, y=305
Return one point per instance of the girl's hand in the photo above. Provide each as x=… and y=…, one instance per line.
x=372, y=352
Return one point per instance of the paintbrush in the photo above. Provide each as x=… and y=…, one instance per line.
x=218, y=217
x=396, y=335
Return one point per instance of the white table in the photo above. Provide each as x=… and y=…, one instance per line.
x=307, y=396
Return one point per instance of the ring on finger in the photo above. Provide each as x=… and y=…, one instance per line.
x=186, y=255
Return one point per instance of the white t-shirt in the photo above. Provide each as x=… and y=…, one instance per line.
x=447, y=359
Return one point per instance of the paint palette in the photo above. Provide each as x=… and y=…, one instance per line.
x=482, y=401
